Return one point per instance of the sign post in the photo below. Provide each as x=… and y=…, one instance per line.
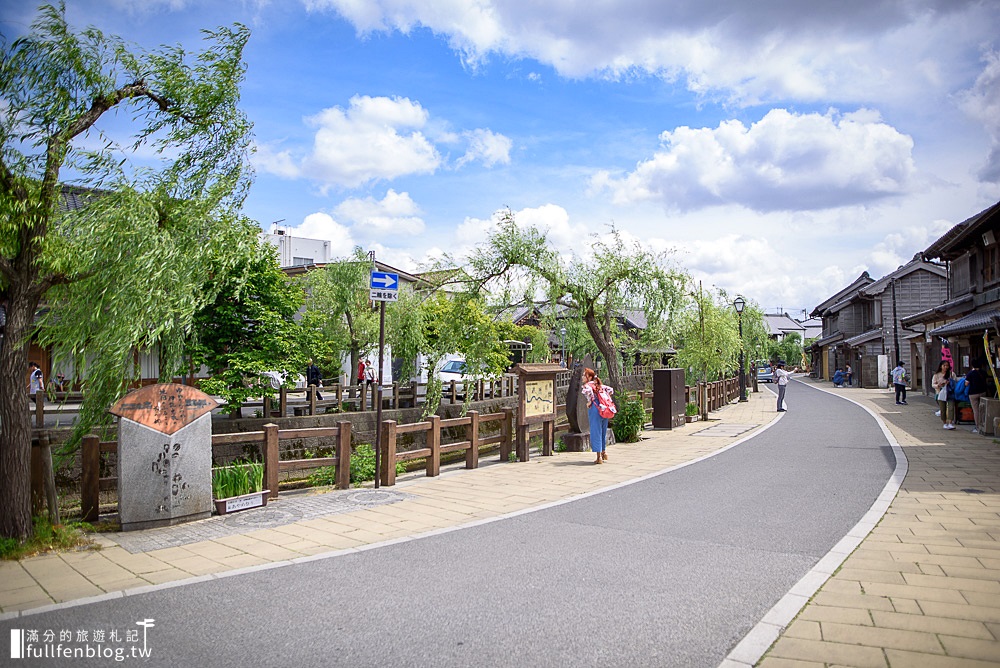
x=384, y=287
x=536, y=403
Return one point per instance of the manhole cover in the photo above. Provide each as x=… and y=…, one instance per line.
x=265, y=517
x=371, y=497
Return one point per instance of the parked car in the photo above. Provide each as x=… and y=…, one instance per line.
x=764, y=374
x=456, y=370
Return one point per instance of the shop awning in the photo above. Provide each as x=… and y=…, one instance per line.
x=970, y=324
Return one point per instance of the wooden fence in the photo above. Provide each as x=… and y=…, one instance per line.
x=91, y=482
x=718, y=394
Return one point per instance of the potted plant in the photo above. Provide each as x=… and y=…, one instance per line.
x=691, y=412
x=239, y=486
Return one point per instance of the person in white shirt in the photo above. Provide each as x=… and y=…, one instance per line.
x=35, y=381
x=781, y=377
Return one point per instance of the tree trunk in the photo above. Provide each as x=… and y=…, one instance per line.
x=15, y=421
x=607, y=349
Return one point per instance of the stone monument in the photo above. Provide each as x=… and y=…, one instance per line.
x=577, y=439
x=164, y=456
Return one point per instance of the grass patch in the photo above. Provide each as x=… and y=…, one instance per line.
x=48, y=538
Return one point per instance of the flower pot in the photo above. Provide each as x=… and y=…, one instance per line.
x=245, y=502
x=690, y=418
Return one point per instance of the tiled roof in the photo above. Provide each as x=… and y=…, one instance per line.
x=974, y=322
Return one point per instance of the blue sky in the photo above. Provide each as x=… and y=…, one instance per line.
x=777, y=149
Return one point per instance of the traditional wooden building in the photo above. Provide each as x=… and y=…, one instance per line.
x=869, y=319
x=967, y=319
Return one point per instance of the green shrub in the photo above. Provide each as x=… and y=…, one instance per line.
x=691, y=409
x=362, y=468
x=237, y=479
x=628, y=422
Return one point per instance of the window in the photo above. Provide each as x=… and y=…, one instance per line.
x=302, y=261
x=991, y=264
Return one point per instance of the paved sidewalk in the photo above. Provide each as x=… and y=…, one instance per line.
x=923, y=589
x=132, y=562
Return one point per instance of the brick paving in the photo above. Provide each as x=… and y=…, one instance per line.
x=296, y=527
x=923, y=589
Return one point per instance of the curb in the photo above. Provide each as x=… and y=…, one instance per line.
x=758, y=641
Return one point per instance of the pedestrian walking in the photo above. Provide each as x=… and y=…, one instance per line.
x=944, y=387
x=35, y=380
x=314, y=378
x=361, y=373
x=596, y=392
x=899, y=382
x=781, y=378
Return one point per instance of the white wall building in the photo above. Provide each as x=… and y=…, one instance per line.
x=297, y=251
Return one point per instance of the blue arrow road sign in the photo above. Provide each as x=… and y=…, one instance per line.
x=384, y=280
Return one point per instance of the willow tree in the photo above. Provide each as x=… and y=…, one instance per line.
x=339, y=320
x=599, y=283
x=124, y=267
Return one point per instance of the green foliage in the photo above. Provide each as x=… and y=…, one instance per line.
x=691, y=408
x=362, y=468
x=128, y=270
x=46, y=538
x=789, y=349
x=629, y=420
x=250, y=328
x=709, y=340
x=237, y=479
x=338, y=319
x=517, y=264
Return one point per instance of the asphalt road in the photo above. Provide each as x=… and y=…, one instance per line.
x=671, y=571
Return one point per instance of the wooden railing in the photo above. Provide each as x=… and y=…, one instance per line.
x=91, y=482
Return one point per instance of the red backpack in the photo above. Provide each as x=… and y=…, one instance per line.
x=605, y=404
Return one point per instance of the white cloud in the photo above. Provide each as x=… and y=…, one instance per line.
x=375, y=138
x=394, y=215
x=785, y=161
x=279, y=163
x=486, y=146
x=759, y=50
x=550, y=218
x=378, y=139
x=982, y=102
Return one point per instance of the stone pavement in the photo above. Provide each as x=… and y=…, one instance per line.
x=292, y=528
x=923, y=589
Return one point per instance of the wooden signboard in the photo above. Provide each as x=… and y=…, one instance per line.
x=536, y=392
x=536, y=399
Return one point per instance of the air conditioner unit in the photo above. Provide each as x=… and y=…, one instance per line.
x=988, y=238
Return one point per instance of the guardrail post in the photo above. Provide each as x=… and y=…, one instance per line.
x=506, y=434
x=395, y=395
x=343, y=471
x=472, y=434
x=312, y=399
x=90, y=478
x=434, y=443
x=454, y=393
x=388, y=472
x=266, y=408
x=270, y=452
x=363, y=397
x=40, y=409
x=49, y=478
x=283, y=402
x=413, y=390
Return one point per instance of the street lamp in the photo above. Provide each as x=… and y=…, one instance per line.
x=562, y=344
x=739, y=304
